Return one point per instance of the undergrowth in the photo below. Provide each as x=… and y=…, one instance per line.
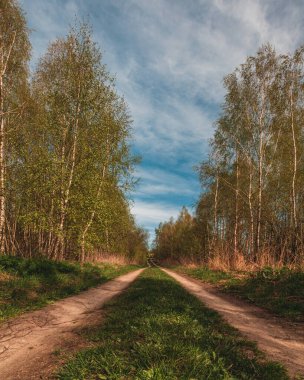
x=27, y=284
x=281, y=291
x=156, y=330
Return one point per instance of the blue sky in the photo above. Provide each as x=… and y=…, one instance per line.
x=169, y=58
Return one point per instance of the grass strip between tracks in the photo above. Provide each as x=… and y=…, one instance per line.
x=156, y=330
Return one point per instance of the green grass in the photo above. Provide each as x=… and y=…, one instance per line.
x=156, y=330
x=280, y=291
x=205, y=274
x=28, y=284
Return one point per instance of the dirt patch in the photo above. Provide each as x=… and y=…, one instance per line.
x=281, y=340
x=31, y=345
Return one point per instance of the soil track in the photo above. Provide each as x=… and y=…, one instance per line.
x=27, y=342
x=280, y=340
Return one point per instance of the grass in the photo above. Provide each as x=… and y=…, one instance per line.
x=28, y=284
x=280, y=291
x=205, y=274
x=156, y=330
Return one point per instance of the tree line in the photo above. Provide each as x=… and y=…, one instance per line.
x=251, y=207
x=65, y=158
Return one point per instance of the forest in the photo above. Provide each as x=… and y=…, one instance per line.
x=219, y=294
x=250, y=211
x=65, y=156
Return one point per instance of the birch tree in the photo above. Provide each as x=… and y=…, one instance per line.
x=14, y=56
x=87, y=129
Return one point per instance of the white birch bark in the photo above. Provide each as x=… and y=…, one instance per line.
x=4, y=59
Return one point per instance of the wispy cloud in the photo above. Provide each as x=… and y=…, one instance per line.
x=154, y=212
x=163, y=182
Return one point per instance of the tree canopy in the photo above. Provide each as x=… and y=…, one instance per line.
x=65, y=156
x=251, y=207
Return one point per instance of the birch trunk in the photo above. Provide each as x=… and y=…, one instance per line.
x=59, y=249
x=92, y=216
x=215, y=221
x=260, y=183
x=260, y=175
x=2, y=170
x=90, y=221
x=4, y=62
x=251, y=244
x=295, y=159
x=236, y=225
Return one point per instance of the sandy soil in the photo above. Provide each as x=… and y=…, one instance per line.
x=281, y=340
x=29, y=343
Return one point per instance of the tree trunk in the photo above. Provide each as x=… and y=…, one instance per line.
x=260, y=175
x=251, y=244
x=236, y=222
x=2, y=170
x=295, y=158
x=4, y=63
x=90, y=221
x=215, y=221
x=260, y=183
x=59, y=250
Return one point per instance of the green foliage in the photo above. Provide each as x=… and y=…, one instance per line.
x=179, y=239
x=43, y=267
x=156, y=330
x=66, y=163
x=251, y=206
x=27, y=284
x=14, y=92
x=252, y=200
x=85, y=134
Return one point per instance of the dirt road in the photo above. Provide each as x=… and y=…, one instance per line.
x=281, y=341
x=27, y=343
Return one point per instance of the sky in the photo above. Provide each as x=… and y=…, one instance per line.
x=169, y=58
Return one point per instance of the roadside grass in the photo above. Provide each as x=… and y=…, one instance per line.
x=28, y=284
x=156, y=330
x=280, y=291
x=205, y=274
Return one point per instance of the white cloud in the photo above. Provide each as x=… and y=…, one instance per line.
x=190, y=56
x=155, y=182
x=147, y=212
x=277, y=22
x=149, y=215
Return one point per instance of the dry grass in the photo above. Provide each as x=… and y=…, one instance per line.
x=222, y=259
x=5, y=276
x=112, y=258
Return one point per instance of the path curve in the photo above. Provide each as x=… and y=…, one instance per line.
x=27, y=342
x=279, y=341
